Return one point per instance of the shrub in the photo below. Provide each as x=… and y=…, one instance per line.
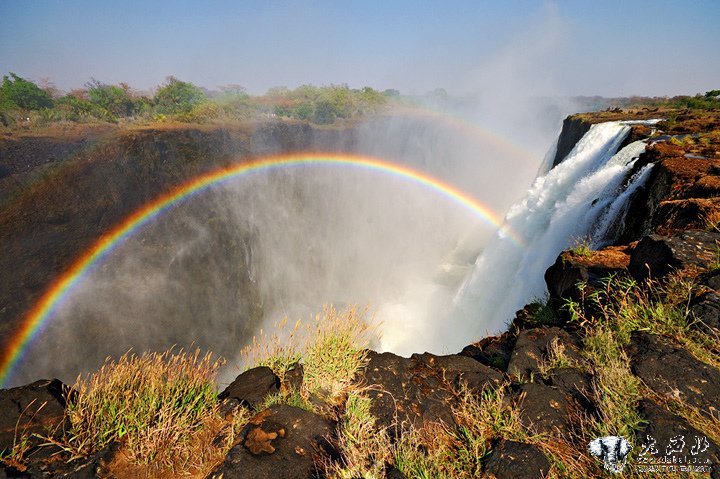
x=178, y=97
x=16, y=92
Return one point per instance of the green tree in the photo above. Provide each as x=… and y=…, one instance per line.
x=16, y=92
x=178, y=97
x=114, y=99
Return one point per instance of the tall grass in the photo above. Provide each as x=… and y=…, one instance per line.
x=331, y=347
x=156, y=404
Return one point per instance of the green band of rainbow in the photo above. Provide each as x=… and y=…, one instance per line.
x=38, y=316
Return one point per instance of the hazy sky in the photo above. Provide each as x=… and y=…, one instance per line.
x=547, y=48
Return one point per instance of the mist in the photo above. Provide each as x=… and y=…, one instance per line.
x=219, y=267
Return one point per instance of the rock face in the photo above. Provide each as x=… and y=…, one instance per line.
x=572, y=130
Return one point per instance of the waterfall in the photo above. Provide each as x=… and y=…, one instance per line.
x=584, y=196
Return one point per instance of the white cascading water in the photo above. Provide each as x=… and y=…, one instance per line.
x=584, y=196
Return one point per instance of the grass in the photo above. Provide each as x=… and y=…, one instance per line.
x=158, y=405
x=581, y=247
x=331, y=347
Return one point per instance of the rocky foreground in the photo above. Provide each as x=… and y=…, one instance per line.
x=545, y=361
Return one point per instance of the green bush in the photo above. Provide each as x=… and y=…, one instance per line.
x=16, y=92
x=178, y=97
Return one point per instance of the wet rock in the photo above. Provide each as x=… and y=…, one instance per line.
x=418, y=389
x=573, y=130
x=671, y=371
x=252, y=386
x=36, y=408
x=656, y=256
x=543, y=409
x=532, y=347
x=279, y=442
x=516, y=460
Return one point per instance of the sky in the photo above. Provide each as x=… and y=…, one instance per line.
x=573, y=47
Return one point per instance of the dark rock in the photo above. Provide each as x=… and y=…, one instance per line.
x=671, y=371
x=493, y=351
x=279, y=442
x=252, y=386
x=393, y=473
x=656, y=256
x=662, y=426
x=713, y=281
x=706, y=311
x=36, y=408
x=532, y=347
x=574, y=384
x=572, y=130
x=294, y=378
x=419, y=389
x=679, y=215
x=568, y=270
x=517, y=460
x=543, y=409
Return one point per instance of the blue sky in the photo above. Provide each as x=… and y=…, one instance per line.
x=546, y=48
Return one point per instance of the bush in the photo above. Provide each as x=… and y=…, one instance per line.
x=178, y=97
x=16, y=92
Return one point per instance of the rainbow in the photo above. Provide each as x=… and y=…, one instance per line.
x=38, y=316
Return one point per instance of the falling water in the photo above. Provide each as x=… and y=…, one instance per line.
x=584, y=196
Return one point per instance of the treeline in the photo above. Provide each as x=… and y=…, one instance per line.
x=708, y=101
x=22, y=100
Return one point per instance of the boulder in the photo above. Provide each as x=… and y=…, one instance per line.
x=532, y=347
x=36, y=408
x=544, y=409
x=705, y=310
x=420, y=389
x=660, y=430
x=516, y=460
x=252, y=387
x=493, y=351
x=281, y=441
x=570, y=269
x=656, y=256
x=671, y=371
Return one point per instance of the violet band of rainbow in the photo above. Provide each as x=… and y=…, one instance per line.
x=32, y=324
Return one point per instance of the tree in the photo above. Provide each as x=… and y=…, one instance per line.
x=114, y=99
x=16, y=92
x=178, y=97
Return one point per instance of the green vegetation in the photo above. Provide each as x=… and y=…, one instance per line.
x=23, y=102
x=581, y=247
x=331, y=349
x=162, y=407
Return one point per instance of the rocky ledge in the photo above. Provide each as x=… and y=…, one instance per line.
x=554, y=374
